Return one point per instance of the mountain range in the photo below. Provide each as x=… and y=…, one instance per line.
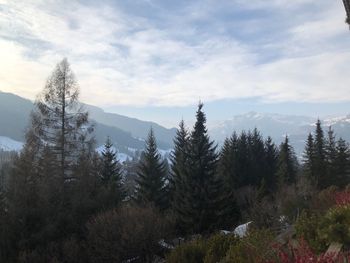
x=278, y=126
x=128, y=134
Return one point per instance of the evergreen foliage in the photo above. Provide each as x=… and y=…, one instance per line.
x=320, y=162
x=342, y=164
x=111, y=175
x=309, y=159
x=287, y=164
x=151, y=178
x=204, y=198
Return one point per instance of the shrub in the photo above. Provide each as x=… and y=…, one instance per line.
x=255, y=247
x=217, y=247
x=302, y=253
x=126, y=233
x=335, y=226
x=307, y=228
x=191, y=252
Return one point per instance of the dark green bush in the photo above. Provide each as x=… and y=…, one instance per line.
x=255, y=247
x=217, y=247
x=335, y=225
x=307, y=228
x=191, y=252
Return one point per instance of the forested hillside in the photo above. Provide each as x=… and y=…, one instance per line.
x=61, y=201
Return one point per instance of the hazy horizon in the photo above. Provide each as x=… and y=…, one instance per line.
x=154, y=60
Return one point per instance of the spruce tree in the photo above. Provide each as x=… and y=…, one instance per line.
x=320, y=163
x=111, y=175
x=243, y=157
x=151, y=179
x=270, y=168
x=178, y=163
x=257, y=158
x=287, y=164
x=331, y=152
x=111, y=170
x=203, y=201
x=227, y=172
x=342, y=164
x=309, y=160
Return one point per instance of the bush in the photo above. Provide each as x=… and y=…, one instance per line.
x=217, y=247
x=307, y=228
x=126, y=233
x=335, y=226
x=255, y=247
x=191, y=252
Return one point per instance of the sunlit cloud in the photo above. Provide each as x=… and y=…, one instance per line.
x=175, y=55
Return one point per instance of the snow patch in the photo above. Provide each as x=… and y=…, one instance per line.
x=7, y=144
x=122, y=157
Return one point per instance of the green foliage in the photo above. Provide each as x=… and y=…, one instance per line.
x=111, y=176
x=151, y=187
x=307, y=227
x=225, y=249
x=190, y=252
x=217, y=247
x=335, y=225
x=203, y=200
x=253, y=248
x=126, y=233
x=287, y=164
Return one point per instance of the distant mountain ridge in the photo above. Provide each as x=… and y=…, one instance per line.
x=129, y=134
x=278, y=126
x=125, y=132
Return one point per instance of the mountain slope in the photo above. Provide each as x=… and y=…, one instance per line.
x=137, y=128
x=124, y=132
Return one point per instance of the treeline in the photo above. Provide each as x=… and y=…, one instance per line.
x=63, y=202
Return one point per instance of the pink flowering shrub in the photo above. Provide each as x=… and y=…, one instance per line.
x=302, y=253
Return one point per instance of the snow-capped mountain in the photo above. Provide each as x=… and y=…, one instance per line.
x=278, y=125
x=7, y=144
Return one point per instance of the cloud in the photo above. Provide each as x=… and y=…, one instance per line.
x=278, y=50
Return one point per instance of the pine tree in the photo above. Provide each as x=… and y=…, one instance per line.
x=243, y=160
x=287, y=164
x=178, y=163
x=342, y=164
x=111, y=175
x=150, y=182
x=331, y=152
x=111, y=170
x=270, y=168
x=320, y=163
x=257, y=157
x=202, y=196
x=227, y=171
x=309, y=160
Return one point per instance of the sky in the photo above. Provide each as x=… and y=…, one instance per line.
x=155, y=59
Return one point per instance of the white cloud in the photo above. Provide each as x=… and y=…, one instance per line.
x=124, y=59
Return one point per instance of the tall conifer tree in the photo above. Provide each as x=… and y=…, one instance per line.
x=342, y=164
x=151, y=179
x=203, y=202
x=331, y=152
x=270, y=167
x=287, y=164
x=178, y=164
x=309, y=159
x=320, y=163
x=111, y=175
